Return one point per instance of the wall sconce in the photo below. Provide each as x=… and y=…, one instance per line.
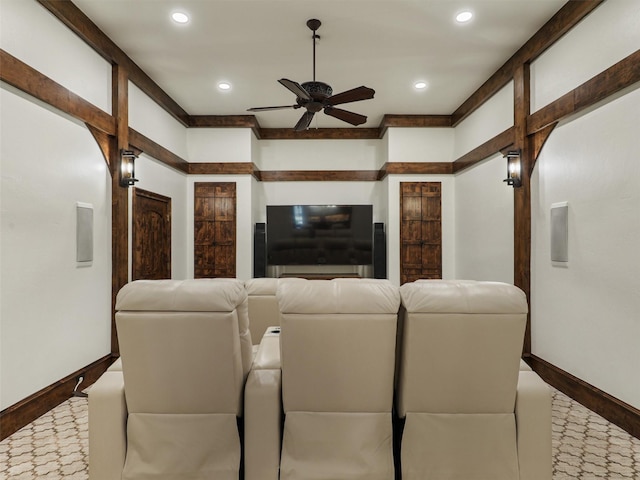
x=127, y=168
x=514, y=169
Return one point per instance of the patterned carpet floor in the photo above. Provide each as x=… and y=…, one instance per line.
x=585, y=446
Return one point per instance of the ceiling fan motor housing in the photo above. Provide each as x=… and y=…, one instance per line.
x=318, y=90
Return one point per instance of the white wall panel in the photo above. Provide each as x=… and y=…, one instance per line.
x=321, y=154
x=492, y=118
x=420, y=144
x=151, y=120
x=607, y=35
x=33, y=35
x=220, y=145
x=55, y=316
x=484, y=223
x=586, y=316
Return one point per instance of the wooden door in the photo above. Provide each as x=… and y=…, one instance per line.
x=151, y=238
x=214, y=230
x=420, y=231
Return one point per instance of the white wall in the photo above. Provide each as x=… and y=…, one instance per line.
x=220, y=145
x=492, y=118
x=26, y=27
x=151, y=120
x=420, y=144
x=484, y=223
x=320, y=155
x=55, y=315
x=609, y=34
x=158, y=178
x=586, y=317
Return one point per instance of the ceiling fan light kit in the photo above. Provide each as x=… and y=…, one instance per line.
x=315, y=96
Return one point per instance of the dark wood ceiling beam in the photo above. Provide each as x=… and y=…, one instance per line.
x=413, y=121
x=563, y=21
x=29, y=80
x=89, y=32
x=320, y=134
x=490, y=147
x=160, y=153
x=320, y=176
x=226, y=121
x=617, y=77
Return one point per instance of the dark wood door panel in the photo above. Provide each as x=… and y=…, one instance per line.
x=431, y=232
x=151, y=236
x=420, y=231
x=224, y=209
x=214, y=229
x=203, y=232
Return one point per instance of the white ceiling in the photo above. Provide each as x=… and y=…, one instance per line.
x=386, y=45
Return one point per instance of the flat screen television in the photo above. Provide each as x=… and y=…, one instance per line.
x=319, y=234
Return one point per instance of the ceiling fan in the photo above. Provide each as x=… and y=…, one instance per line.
x=315, y=96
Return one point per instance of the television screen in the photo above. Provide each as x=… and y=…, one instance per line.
x=319, y=234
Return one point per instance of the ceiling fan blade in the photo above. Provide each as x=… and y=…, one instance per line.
x=304, y=122
x=353, y=95
x=345, y=116
x=296, y=88
x=264, y=109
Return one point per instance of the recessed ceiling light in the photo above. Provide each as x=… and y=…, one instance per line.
x=464, y=17
x=420, y=85
x=180, y=17
x=224, y=86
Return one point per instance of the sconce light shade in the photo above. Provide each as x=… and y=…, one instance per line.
x=127, y=168
x=514, y=169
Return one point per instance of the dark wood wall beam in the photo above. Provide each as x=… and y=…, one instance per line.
x=89, y=32
x=226, y=121
x=320, y=134
x=27, y=410
x=320, y=176
x=615, y=78
x=25, y=78
x=563, y=21
x=616, y=411
x=522, y=194
x=416, y=168
x=157, y=151
x=222, y=168
x=413, y=121
x=105, y=143
x=490, y=147
x=119, y=196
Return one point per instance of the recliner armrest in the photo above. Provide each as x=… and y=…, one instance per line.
x=533, y=422
x=107, y=427
x=263, y=411
x=268, y=354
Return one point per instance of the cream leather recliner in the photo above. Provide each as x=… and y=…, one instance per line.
x=172, y=412
x=263, y=306
x=470, y=412
x=337, y=346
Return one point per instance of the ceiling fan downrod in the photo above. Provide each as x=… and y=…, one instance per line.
x=314, y=24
